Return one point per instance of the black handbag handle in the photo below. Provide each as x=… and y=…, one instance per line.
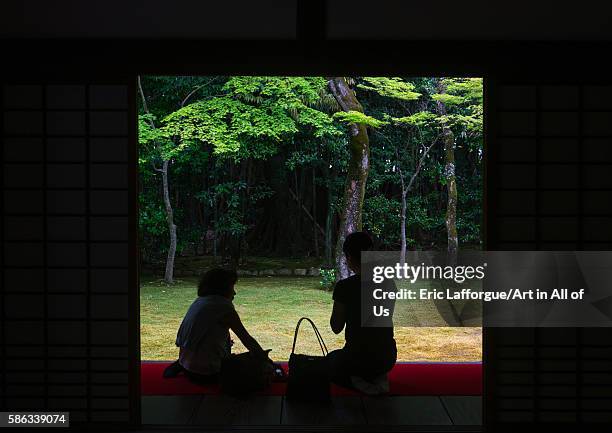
x=317, y=333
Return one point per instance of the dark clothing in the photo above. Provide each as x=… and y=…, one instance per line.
x=174, y=369
x=202, y=379
x=368, y=351
x=343, y=364
x=348, y=293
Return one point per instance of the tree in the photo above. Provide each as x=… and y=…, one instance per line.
x=448, y=140
x=358, y=166
x=461, y=94
x=158, y=146
x=407, y=180
x=404, y=91
x=149, y=134
x=256, y=119
x=260, y=165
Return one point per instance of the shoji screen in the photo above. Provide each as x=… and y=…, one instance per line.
x=66, y=262
x=549, y=187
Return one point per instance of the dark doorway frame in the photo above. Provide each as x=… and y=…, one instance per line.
x=308, y=63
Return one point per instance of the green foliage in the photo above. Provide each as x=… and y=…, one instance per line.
x=152, y=216
x=392, y=87
x=466, y=118
x=328, y=278
x=472, y=120
x=231, y=126
x=146, y=132
x=470, y=202
x=300, y=159
x=289, y=91
x=255, y=117
x=359, y=117
x=469, y=88
x=231, y=142
x=234, y=196
x=381, y=217
x=419, y=119
x=419, y=217
x=464, y=97
x=448, y=99
x=397, y=151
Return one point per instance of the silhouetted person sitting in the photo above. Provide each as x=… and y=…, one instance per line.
x=369, y=353
x=203, y=337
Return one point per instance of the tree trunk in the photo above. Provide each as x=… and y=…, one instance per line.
x=448, y=141
x=297, y=221
x=403, y=227
x=215, y=230
x=315, y=232
x=169, y=274
x=328, y=235
x=329, y=174
x=405, y=190
x=357, y=174
x=451, y=207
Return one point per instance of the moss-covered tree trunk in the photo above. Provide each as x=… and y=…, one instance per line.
x=315, y=226
x=329, y=174
x=448, y=140
x=357, y=173
x=451, y=184
x=403, y=240
x=169, y=272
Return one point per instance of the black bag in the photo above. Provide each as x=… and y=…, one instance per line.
x=308, y=375
x=244, y=373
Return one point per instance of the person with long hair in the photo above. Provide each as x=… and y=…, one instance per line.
x=203, y=337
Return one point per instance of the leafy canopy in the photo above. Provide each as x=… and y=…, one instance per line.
x=392, y=87
x=254, y=116
x=463, y=98
x=466, y=91
x=353, y=116
x=419, y=119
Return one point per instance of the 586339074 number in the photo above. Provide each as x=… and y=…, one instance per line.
x=34, y=419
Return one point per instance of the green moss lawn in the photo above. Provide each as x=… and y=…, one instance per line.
x=270, y=308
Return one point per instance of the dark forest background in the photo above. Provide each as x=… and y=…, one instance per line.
x=243, y=167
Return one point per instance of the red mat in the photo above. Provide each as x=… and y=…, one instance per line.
x=404, y=379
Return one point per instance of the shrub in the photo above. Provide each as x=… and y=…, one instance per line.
x=328, y=278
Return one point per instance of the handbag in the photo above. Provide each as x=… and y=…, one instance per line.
x=244, y=373
x=308, y=374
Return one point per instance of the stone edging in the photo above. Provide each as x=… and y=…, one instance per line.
x=282, y=272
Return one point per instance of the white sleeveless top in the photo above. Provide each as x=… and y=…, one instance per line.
x=203, y=341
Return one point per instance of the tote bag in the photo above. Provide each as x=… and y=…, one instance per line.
x=244, y=373
x=308, y=374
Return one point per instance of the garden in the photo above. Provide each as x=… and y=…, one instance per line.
x=267, y=175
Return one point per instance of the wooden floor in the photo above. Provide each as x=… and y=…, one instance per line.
x=218, y=410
